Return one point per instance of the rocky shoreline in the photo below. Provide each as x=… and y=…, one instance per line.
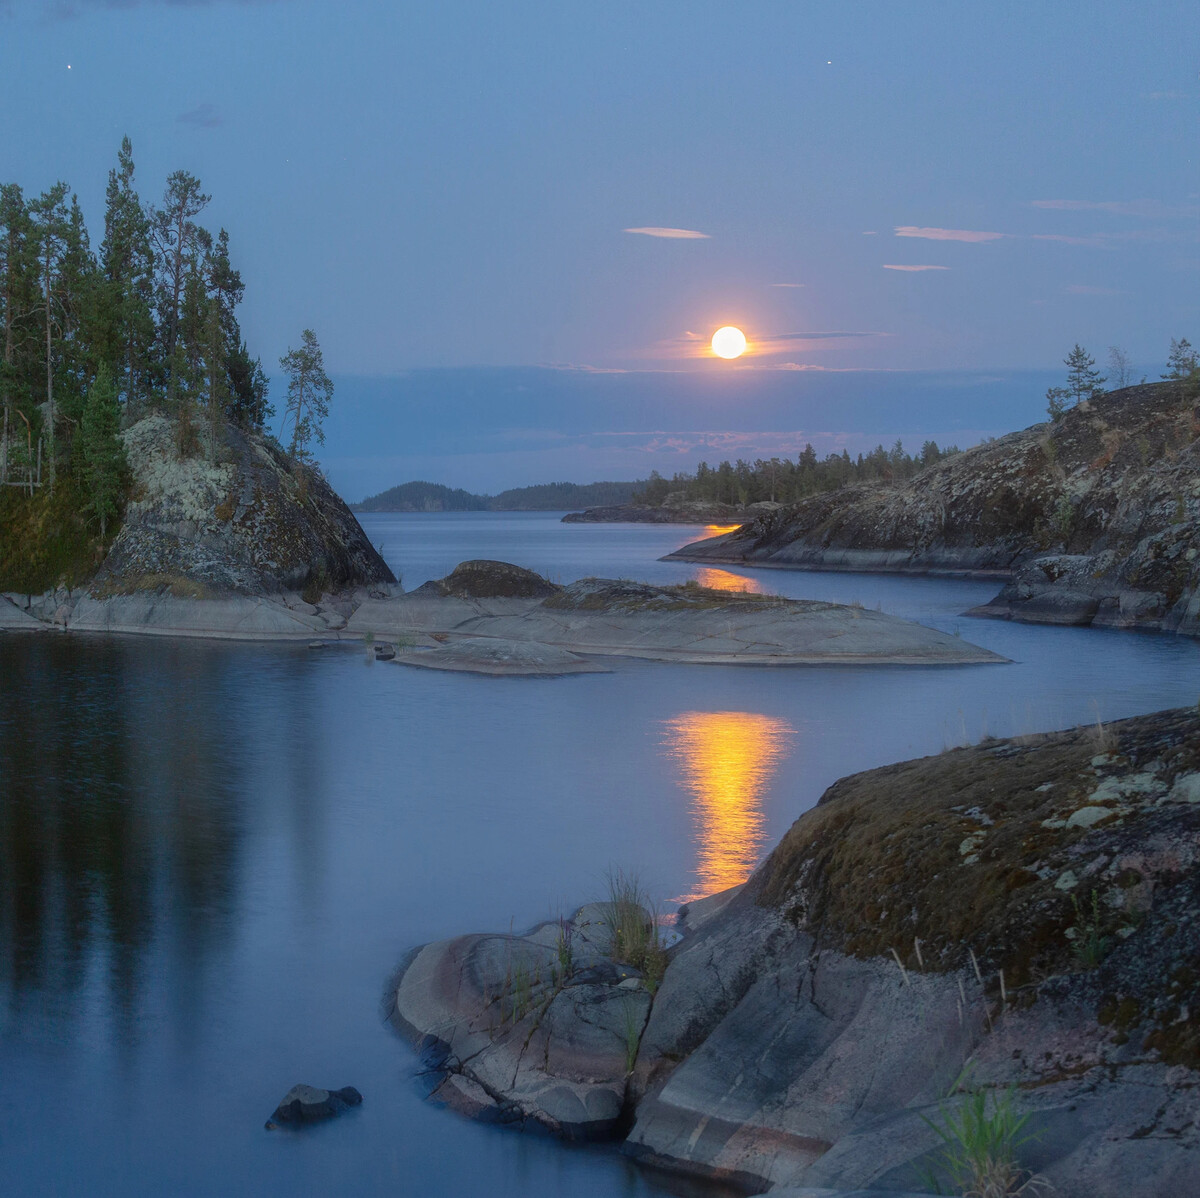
x=1091, y=519
x=499, y=619
x=678, y=512
x=1026, y=909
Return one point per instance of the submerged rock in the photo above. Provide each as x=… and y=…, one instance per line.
x=310, y=1104
x=812, y=1024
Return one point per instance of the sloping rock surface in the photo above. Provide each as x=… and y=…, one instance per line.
x=1027, y=909
x=618, y=618
x=1096, y=515
x=250, y=522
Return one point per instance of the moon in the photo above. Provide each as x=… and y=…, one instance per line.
x=729, y=342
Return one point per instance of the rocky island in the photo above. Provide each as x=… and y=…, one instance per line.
x=1015, y=923
x=1090, y=519
x=246, y=542
x=493, y=617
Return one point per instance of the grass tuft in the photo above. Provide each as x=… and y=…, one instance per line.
x=633, y=928
x=981, y=1136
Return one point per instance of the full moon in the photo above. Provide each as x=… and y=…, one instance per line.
x=729, y=342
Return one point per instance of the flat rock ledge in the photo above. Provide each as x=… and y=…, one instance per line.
x=1029, y=909
x=499, y=656
x=598, y=617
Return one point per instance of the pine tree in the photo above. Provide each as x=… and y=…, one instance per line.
x=308, y=394
x=18, y=299
x=177, y=241
x=50, y=220
x=101, y=449
x=1083, y=380
x=1183, y=360
x=127, y=263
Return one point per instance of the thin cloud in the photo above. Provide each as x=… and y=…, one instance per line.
x=69, y=10
x=791, y=338
x=870, y=232
x=1087, y=289
x=1151, y=209
x=203, y=116
x=926, y=266
x=676, y=234
x=1062, y=237
x=927, y=234
x=787, y=284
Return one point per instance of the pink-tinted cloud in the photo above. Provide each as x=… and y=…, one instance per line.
x=787, y=284
x=972, y=235
x=898, y=266
x=671, y=234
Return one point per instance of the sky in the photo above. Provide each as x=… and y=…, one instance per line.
x=514, y=227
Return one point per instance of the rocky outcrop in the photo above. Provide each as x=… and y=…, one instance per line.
x=445, y=624
x=1026, y=910
x=484, y=579
x=1095, y=518
x=253, y=522
x=674, y=510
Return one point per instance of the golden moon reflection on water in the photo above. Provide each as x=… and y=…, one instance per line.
x=727, y=760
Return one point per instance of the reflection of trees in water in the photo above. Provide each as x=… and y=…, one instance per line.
x=119, y=825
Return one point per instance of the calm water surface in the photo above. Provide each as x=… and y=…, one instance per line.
x=212, y=856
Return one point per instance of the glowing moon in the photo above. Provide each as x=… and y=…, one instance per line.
x=729, y=342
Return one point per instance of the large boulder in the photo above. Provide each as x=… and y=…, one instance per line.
x=245, y=519
x=484, y=579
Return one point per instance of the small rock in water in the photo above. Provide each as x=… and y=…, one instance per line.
x=309, y=1104
x=316, y=644
x=384, y=651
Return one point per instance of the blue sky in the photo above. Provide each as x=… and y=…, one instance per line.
x=449, y=186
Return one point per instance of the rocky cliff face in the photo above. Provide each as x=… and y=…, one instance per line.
x=1028, y=910
x=252, y=522
x=1095, y=519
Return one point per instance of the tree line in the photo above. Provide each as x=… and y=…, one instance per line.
x=782, y=480
x=94, y=339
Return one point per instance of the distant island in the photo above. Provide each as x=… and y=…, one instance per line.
x=544, y=497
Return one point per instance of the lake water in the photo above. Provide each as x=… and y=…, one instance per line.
x=213, y=855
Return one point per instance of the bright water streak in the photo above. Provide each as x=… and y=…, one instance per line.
x=212, y=855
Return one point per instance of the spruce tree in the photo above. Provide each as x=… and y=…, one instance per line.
x=101, y=449
x=308, y=394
